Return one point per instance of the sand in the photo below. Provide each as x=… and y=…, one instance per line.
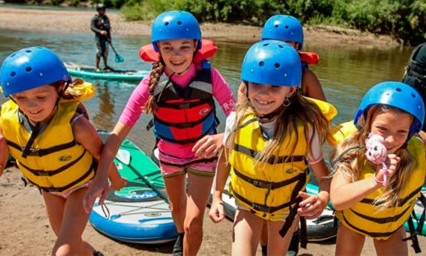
x=25, y=229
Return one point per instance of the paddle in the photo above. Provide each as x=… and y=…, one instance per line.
x=118, y=58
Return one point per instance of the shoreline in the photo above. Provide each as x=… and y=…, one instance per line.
x=79, y=21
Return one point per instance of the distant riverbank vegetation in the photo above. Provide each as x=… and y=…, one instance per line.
x=405, y=20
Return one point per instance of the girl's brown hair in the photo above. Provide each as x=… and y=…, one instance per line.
x=157, y=70
x=349, y=159
x=66, y=90
x=300, y=112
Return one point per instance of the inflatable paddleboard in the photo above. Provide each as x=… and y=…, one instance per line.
x=87, y=71
x=139, y=212
x=318, y=230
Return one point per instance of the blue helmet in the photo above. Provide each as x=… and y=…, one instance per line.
x=397, y=95
x=272, y=62
x=30, y=68
x=283, y=28
x=175, y=25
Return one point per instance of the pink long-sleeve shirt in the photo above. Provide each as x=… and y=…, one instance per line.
x=131, y=113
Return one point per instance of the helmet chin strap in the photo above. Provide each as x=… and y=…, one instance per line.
x=269, y=117
x=37, y=127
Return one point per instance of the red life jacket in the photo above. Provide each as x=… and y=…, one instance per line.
x=185, y=115
x=208, y=49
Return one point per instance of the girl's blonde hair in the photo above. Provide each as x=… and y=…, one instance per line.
x=300, y=112
x=349, y=159
x=66, y=91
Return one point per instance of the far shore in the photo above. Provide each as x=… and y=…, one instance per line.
x=63, y=20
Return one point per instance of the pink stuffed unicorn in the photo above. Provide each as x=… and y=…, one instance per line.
x=377, y=153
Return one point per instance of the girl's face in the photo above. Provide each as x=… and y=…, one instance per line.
x=393, y=126
x=266, y=98
x=177, y=54
x=38, y=103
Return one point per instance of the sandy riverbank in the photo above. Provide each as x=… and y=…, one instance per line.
x=24, y=226
x=71, y=20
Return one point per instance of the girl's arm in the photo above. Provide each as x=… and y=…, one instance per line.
x=311, y=86
x=345, y=194
x=87, y=136
x=217, y=212
x=313, y=205
x=4, y=152
x=209, y=145
x=110, y=149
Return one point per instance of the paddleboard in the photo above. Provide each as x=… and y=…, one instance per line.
x=139, y=212
x=87, y=71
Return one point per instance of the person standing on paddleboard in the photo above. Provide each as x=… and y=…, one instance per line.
x=101, y=26
x=181, y=95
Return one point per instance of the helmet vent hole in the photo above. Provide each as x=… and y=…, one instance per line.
x=265, y=44
x=179, y=22
x=261, y=63
x=398, y=89
x=277, y=65
x=13, y=55
x=166, y=23
x=413, y=95
x=286, y=27
x=28, y=69
x=28, y=51
x=280, y=46
x=13, y=74
x=276, y=25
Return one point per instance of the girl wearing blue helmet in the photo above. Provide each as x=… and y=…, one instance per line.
x=376, y=182
x=288, y=29
x=270, y=140
x=44, y=127
x=181, y=98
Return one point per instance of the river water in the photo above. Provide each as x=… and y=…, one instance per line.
x=346, y=72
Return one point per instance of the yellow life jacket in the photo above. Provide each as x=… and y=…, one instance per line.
x=56, y=162
x=328, y=110
x=340, y=132
x=366, y=219
x=268, y=189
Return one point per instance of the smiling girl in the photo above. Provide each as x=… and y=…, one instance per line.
x=44, y=126
x=271, y=139
x=371, y=199
x=181, y=98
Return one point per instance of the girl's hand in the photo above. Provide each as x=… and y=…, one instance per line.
x=217, y=212
x=312, y=205
x=208, y=146
x=95, y=189
x=391, y=163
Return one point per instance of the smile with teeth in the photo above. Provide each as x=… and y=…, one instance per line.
x=263, y=102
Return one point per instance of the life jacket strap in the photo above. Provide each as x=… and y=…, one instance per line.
x=187, y=124
x=51, y=173
x=91, y=169
x=267, y=184
x=272, y=159
x=44, y=151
